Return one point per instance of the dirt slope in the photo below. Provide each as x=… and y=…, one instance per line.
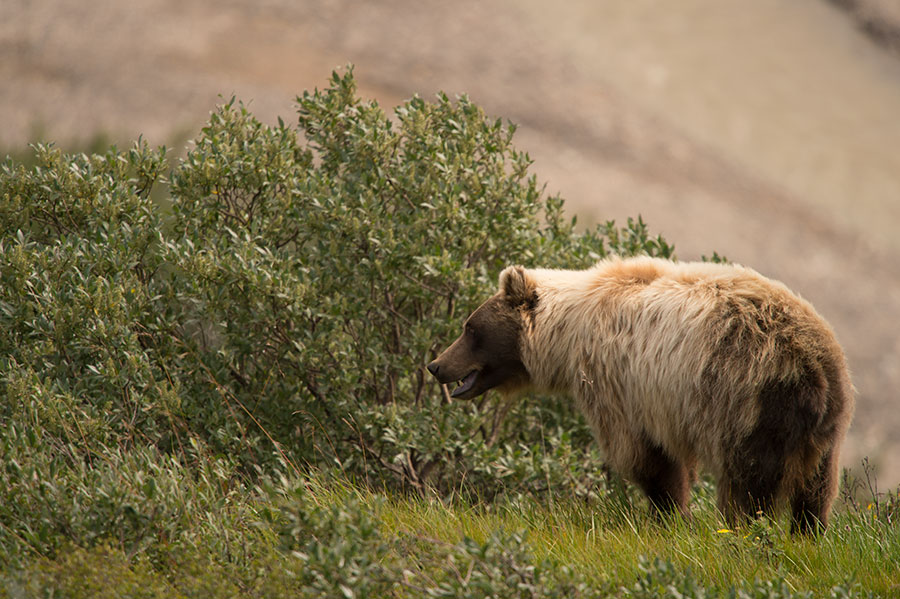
x=766, y=131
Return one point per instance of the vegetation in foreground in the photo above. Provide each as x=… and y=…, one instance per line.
x=221, y=393
x=327, y=537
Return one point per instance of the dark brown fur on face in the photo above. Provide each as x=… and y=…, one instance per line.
x=486, y=355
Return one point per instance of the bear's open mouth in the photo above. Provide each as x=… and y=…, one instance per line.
x=465, y=384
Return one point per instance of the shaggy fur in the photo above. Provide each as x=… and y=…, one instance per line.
x=675, y=365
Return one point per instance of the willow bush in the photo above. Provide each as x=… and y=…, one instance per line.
x=277, y=307
x=323, y=265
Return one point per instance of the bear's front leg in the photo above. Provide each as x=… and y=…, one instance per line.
x=665, y=480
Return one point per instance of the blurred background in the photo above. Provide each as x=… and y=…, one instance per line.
x=766, y=131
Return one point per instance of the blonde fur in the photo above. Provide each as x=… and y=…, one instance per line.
x=679, y=355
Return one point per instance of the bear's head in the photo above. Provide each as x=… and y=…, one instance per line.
x=488, y=353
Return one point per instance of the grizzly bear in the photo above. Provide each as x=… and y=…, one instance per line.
x=675, y=366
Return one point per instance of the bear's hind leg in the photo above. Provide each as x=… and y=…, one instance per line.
x=753, y=476
x=740, y=498
x=665, y=481
x=811, y=503
x=756, y=471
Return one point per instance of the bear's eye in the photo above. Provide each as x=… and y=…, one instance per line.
x=470, y=332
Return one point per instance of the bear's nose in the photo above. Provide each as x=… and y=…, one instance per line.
x=433, y=368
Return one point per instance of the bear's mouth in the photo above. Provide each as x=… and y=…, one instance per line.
x=466, y=384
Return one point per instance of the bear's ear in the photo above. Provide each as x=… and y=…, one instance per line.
x=517, y=286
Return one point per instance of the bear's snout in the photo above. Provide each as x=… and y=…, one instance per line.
x=434, y=368
x=442, y=374
x=446, y=373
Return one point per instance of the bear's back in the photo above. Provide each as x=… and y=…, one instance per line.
x=685, y=347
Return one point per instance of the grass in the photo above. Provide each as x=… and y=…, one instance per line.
x=609, y=546
x=606, y=545
x=327, y=536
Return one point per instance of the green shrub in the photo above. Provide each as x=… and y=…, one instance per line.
x=503, y=567
x=279, y=309
x=325, y=266
x=78, y=252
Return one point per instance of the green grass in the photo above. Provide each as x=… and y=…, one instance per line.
x=326, y=536
x=606, y=545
